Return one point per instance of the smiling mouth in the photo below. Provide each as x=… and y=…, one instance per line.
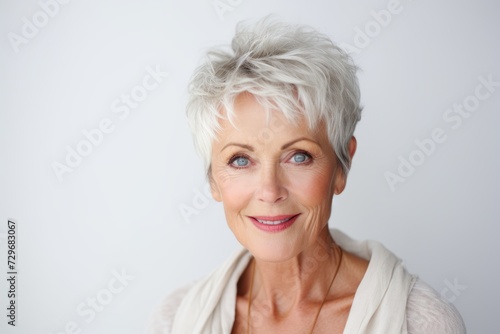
x=276, y=220
x=273, y=222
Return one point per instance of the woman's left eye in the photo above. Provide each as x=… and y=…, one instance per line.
x=301, y=157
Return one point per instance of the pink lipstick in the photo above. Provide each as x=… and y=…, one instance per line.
x=273, y=223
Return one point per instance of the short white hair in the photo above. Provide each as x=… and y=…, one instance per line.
x=290, y=68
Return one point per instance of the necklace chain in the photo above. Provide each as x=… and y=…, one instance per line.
x=320, y=307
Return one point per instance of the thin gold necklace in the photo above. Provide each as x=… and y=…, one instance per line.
x=322, y=303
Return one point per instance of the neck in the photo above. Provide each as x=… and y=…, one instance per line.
x=304, y=278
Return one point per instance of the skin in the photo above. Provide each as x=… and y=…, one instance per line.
x=263, y=165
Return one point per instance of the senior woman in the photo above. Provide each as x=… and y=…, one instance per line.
x=273, y=119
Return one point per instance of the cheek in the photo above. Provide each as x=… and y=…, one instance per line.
x=236, y=191
x=314, y=187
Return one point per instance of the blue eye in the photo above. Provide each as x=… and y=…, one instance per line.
x=240, y=162
x=300, y=157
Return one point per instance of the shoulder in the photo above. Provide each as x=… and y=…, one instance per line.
x=194, y=302
x=162, y=317
x=427, y=312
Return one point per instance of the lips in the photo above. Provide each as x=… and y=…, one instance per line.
x=273, y=223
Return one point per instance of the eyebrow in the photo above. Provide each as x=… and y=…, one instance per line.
x=251, y=149
x=297, y=140
x=248, y=147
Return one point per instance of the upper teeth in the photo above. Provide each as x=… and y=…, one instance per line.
x=273, y=222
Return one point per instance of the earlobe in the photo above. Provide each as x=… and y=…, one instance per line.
x=341, y=178
x=353, y=144
x=216, y=194
x=340, y=181
x=214, y=189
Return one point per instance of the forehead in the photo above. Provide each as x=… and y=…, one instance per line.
x=247, y=112
x=251, y=122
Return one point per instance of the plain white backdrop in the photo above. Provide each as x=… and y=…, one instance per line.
x=104, y=237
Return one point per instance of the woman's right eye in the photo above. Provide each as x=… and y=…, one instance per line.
x=239, y=162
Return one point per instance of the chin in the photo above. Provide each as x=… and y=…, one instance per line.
x=275, y=251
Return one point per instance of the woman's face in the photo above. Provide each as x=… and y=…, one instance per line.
x=276, y=180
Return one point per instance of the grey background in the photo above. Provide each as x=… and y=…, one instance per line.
x=120, y=208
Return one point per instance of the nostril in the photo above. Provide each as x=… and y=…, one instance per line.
x=272, y=192
x=271, y=187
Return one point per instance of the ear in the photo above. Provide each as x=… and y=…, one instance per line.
x=341, y=178
x=214, y=188
x=353, y=144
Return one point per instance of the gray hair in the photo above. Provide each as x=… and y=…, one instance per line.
x=291, y=68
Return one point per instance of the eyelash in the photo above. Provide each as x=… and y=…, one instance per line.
x=239, y=155
x=308, y=159
x=236, y=157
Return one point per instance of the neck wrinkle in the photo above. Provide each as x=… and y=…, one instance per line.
x=281, y=287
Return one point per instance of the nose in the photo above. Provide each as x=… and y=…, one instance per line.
x=271, y=187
